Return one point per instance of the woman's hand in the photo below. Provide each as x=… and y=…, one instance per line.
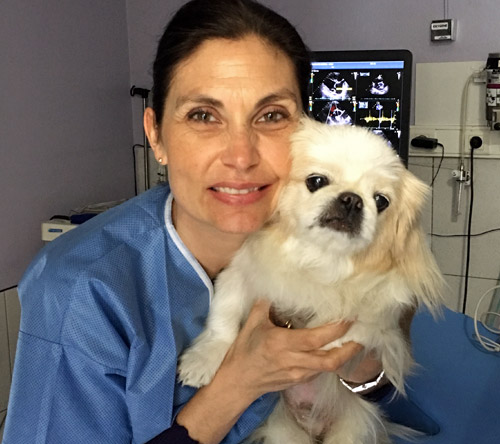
x=370, y=367
x=266, y=358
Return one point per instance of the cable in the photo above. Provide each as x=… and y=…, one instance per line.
x=463, y=123
x=463, y=116
x=446, y=9
x=424, y=165
x=464, y=235
x=428, y=143
x=487, y=343
x=440, y=163
x=475, y=143
x=469, y=226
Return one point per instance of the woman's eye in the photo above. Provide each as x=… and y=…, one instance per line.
x=273, y=116
x=316, y=181
x=381, y=202
x=202, y=116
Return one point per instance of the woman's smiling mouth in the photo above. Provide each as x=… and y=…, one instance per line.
x=229, y=190
x=239, y=195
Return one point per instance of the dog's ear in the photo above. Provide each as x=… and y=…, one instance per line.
x=400, y=230
x=400, y=225
x=410, y=250
x=401, y=245
x=410, y=202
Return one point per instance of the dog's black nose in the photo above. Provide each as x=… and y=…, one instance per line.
x=351, y=201
x=345, y=213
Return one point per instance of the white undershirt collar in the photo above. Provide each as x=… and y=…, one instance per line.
x=183, y=249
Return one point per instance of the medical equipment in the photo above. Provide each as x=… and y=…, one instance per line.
x=60, y=224
x=493, y=91
x=144, y=93
x=364, y=88
x=54, y=228
x=486, y=342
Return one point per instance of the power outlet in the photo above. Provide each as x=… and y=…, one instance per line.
x=484, y=135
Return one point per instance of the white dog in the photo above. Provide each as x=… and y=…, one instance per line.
x=344, y=243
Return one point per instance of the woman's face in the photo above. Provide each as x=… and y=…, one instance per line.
x=225, y=134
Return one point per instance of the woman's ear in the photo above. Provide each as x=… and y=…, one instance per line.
x=152, y=130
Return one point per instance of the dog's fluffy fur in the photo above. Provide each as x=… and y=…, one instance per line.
x=344, y=243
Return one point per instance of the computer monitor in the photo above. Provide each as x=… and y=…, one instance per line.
x=365, y=88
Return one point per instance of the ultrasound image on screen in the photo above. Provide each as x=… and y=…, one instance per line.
x=358, y=93
x=333, y=85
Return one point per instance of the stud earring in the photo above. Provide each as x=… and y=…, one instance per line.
x=160, y=160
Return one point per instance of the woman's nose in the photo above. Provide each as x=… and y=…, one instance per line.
x=241, y=151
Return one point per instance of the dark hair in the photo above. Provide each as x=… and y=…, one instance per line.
x=200, y=20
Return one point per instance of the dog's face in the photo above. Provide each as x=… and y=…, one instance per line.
x=348, y=189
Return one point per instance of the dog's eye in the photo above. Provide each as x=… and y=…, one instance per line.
x=316, y=181
x=381, y=201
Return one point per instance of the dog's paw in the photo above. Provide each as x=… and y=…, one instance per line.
x=193, y=371
x=198, y=364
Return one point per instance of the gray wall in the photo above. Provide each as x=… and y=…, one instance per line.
x=343, y=25
x=65, y=116
x=384, y=24
x=146, y=20
x=67, y=124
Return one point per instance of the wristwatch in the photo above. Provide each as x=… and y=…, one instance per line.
x=366, y=387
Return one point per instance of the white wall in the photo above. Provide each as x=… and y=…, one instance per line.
x=439, y=88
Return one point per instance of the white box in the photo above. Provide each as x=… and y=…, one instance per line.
x=54, y=228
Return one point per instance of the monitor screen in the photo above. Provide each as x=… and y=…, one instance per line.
x=365, y=88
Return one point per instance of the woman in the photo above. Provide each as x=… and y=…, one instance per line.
x=108, y=308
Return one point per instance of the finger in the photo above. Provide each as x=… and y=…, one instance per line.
x=331, y=360
x=306, y=339
x=367, y=369
x=259, y=313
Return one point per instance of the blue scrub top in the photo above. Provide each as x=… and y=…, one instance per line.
x=107, y=309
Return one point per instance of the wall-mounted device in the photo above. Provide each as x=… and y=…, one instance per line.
x=443, y=30
x=364, y=88
x=493, y=91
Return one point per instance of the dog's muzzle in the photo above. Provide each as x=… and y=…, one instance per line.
x=345, y=214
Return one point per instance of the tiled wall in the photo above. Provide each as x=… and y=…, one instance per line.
x=442, y=113
x=9, y=326
x=441, y=218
